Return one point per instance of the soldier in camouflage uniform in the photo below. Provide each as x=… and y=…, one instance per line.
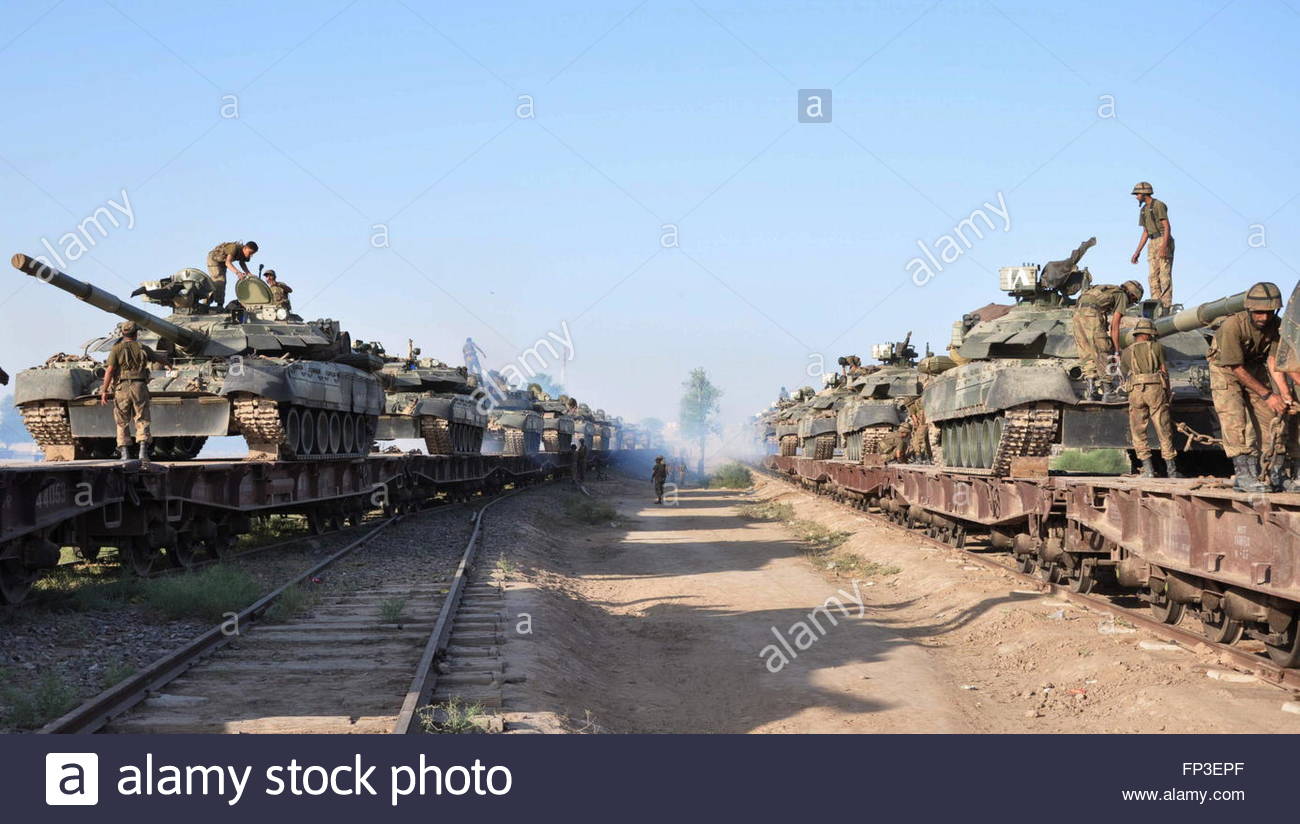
x=127, y=374
x=1243, y=369
x=1096, y=329
x=1147, y=377
x=279, y=290
x=225, y=256
x=1159, y=240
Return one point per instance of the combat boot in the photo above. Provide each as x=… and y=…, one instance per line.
x=124, y=454
x=1292, y=484
x=1148, y=469
x=1276, y=477
x=1247, y=474
x=1171, y=466
x=144, y=452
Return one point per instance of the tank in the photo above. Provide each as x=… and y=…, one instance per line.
x=604, y=431
x=818, y=436
x=513, y=427
x=584, y=425
x=557, y=425
x=787, y=420
x=428, y=399
x=1017, y=387
x=293, y=389
x=881, y=394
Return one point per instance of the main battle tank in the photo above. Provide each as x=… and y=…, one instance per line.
x=513, y=427
x=604, y=431
x=426, y=398
x=817, y=424
x=293, y=389
x=1017, y=388
x=584, y=424
x=787, y=420
x=557, y=425
x=881, y=396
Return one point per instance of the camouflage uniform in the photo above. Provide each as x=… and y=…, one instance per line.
x=1159, y=269
x=934, y=437
x=1144, y=367
x=130, y=362
x=217, y=267
x=280, y=293
x=1244, y=417
x=919, y=445
x=659, y=475
x=1089, y=325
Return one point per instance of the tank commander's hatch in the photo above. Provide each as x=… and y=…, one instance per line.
x=252, y=291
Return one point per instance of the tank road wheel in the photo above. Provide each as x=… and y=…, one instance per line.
x=15, y=581
x=323, y=433
x=348, y=425
x=293, y=431
x=1287, y=653
x=307, y=438
x=181, y=552
x=335, y=424
x=1219, y=628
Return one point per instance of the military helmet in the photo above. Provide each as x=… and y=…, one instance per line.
x=1143, y=188
x=1264, y=297
x=1133, y=288
x=1145, y=326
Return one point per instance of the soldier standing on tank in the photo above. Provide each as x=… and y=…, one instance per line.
x=1154, y=220
x=279, y=290
x=1147, y=377
x=1096, y=329
x=127, y=374
x=659, y=475
x=225, y=256
x=1243, y=369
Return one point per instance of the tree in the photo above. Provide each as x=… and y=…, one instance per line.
x=698, y=411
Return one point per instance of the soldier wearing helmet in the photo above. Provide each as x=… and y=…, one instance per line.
x=127, y=375
x=659, y=475
x=1153, y=217
x=1096, y=328
x=1243, y=377
x=1146, y=375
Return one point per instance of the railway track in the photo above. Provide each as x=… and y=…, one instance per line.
x=1254, y=663
x=346, y=666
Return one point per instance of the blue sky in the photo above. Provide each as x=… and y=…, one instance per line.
x=793, y=238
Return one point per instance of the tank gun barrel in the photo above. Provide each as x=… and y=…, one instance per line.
x=1195, y=317
x=106, y=301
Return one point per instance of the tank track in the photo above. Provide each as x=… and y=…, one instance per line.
x=437, y=435
x=824, y=447
x=514, y=442
x=259, y=421
x=1027, y=432
x=50, y=427
x=789, y=445
x=872, y=437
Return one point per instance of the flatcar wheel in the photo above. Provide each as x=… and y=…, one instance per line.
x=139, y=556
x=181, y=552
x=307, y=438
x=317, y=522
x=15, y=581
x=1049, y=573
x=1081, y=579
x=1025, y=563
x=1165, y=610
x=1287, y=653
x=1219, y=628
x=293, y=431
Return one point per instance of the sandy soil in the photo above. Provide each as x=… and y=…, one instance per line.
x=661, y=621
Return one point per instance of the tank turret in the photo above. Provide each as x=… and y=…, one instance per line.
x=291, y=388
x=427, y=399
x=1016, y=390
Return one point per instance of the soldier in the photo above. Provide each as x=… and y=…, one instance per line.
x=659, y=475
x=580, y=461
x=1147, y=379
x=1096, y=328
x=893, y=443
x=1242, y=371
x=280, y=291
x=681, y=470
x=127, y=374
x=223, y=257
x=919, y=444
x=1154, y=220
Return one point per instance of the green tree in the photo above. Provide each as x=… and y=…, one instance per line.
x=697, y=412
x=549, y=385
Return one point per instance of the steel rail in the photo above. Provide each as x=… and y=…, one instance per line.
x=426, y=673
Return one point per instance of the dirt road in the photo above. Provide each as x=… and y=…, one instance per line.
x=691, y=618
